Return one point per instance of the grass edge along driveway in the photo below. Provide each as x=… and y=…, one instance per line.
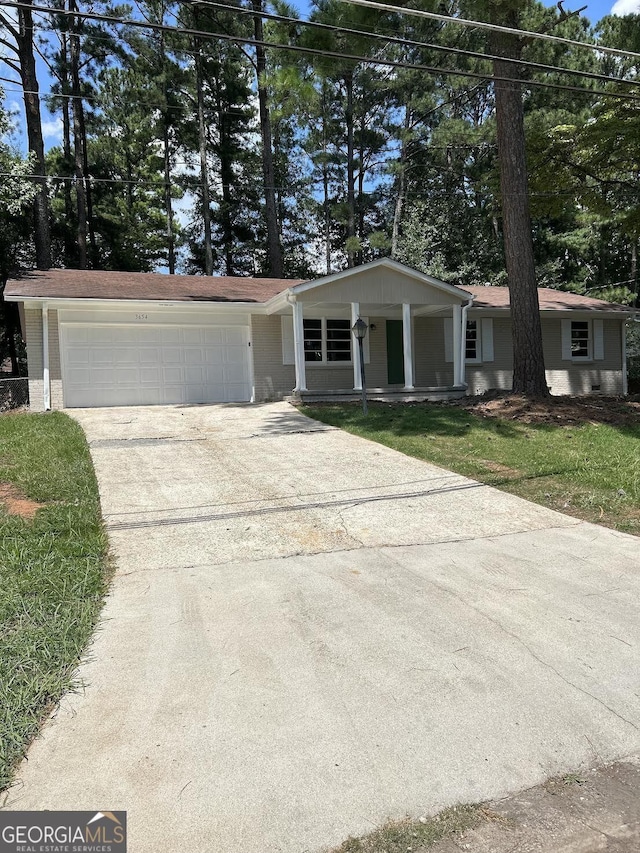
x=53, y=570
x=590, y=470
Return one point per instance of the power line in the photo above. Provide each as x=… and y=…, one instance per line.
x=382, y=36
x=344, y=57
x=484, y=25
x=592, y=75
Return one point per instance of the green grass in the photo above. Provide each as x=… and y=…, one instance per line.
x=591, y=471
x=53, y=572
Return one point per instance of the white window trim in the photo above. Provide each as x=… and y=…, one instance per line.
x=595, y=341
x=287, y=344
x=484, y=340
x=478, y=358
x=323, y=344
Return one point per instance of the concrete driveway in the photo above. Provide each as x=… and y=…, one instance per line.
x=309, y=633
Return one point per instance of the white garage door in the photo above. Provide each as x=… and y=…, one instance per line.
x=124, y=365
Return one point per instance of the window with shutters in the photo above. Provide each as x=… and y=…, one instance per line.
x=478, y=342
x=580, y=339
x=472, y=348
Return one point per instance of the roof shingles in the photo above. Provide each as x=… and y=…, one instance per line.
x=99, y=284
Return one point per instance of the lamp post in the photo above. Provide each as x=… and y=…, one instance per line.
x=359, y=329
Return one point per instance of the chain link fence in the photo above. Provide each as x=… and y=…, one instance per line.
x=14, y=393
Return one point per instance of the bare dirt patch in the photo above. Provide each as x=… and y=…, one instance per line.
x=560, y=411
x=499, y=468
x=16, y=503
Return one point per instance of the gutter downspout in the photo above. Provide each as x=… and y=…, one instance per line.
x=625, y=378
x=463, y=343
x=46, y=389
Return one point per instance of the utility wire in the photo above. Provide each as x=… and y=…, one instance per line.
x=329, y=54
x=484, y=25
x=385, y=37
x=539, y=66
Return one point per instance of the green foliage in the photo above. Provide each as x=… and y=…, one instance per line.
x=368, y=160
x=52, y=572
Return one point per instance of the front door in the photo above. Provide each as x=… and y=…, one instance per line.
x=395, y=353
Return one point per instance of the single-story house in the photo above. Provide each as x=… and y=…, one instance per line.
x=99, y=338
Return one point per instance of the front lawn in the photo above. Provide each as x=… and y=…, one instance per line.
x=589, y=470
x=53, y=570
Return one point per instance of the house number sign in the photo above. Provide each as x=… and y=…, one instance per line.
x=142, y=316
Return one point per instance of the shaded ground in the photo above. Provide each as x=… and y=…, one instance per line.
x=577, y=813
x=559, y=411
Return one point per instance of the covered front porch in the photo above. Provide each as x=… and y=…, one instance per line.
x=414, y=347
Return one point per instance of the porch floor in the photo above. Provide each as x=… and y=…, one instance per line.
x=383, y=395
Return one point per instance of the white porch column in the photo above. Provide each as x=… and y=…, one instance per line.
x=407, y=346
x=46, y=383
x=355, y=349
x=298, y=347
x=457, y=344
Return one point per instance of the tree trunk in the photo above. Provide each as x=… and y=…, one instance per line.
x=528, y=357
x=360, y=201
x=29, y=80
x=325, y=201
x=351, y=200
x=274, y=249
x=79, y=141
x=69, y=243
x=167, y=195
x=226, y=178
x=204, y=171
x=402, y=185
x=634, y=271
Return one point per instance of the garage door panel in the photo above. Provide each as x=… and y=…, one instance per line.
x=234, y=355
x=172, y=375
x=195, y=355
x=234, y=336
x=151, y=375
x=150, y=355
x=79, y=355
x=193, y=335
x=113, y=365
x=101, y=355
x=214, y=337
x=171, y=335
x=79, y=375
x=172, y=355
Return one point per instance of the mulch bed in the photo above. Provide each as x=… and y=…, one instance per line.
x=560, y=411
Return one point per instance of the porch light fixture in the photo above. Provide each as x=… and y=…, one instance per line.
x=359, y=330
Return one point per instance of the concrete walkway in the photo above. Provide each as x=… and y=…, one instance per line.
x=309, y=633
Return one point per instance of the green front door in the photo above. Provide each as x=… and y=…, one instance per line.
x=395, y=353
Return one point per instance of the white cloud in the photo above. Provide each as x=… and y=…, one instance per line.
x=52, y=130
x=626, y=7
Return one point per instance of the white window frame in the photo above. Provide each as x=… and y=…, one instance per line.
x=287, y=344
x=595, y=340
x=589, y=355
x=477, y=359
x=324, y=362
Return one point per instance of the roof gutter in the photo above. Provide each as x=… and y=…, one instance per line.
x=90, y=302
